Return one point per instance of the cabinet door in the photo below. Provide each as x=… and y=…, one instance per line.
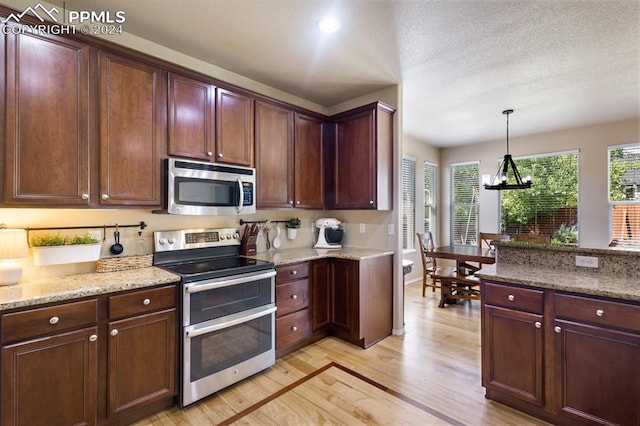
x=345, y=300
x=47, y=121
x=309, y=163
x=598, y=376
x=355, y=162
x=133, y=140
x=234, y=128
x=191, y=118
x=512, y=353
x=142, y=360
x=321, y=293
x=51, y=380
x=274, y=155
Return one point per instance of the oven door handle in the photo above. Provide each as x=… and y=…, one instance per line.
x=241, y=203
x=231, y=323
x=208, y=285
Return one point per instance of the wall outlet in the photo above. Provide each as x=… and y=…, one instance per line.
x=362, y=228
x=391, y=229
x=587, y=261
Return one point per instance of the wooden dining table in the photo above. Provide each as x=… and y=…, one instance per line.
x=461, y=284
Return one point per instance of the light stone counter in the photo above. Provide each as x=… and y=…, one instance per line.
x=288, y=256
x=544, y=266
x=57, y=289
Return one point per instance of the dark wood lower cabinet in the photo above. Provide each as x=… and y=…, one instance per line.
x=106, y=360
x=575, y=362
x=51, y=380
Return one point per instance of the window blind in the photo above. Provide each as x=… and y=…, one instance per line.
x=430, y=197
x=465, y=185
x=408, y=202
x=624, y=196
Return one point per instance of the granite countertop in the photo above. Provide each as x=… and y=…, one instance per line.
x=288, y=256
x=556, y=279
x=57, y=289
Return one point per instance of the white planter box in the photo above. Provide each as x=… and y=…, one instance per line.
x=52, y=255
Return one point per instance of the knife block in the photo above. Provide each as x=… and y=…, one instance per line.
x=249, y=247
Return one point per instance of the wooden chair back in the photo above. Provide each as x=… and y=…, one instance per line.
x=486, y=238
x=532, y=238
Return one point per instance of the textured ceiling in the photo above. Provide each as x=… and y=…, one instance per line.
x=558, y=63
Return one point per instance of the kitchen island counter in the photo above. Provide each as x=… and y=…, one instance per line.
x=289, y=256
x=57, y=289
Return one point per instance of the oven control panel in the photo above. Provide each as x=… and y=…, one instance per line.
x=195, y=238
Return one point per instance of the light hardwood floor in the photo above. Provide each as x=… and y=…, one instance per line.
x=435, y=363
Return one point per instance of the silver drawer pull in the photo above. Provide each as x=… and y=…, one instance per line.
x=114, y=332
x=511, y=297
x=557, y=329
x=53, y=320
x=93, y=338
x=537, y=324
x=145, y=302
x=294, y=296
x=294, y=272
x=294, y=328
x=599, y=313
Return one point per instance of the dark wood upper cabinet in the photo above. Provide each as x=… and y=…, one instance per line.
x=47, y=117
x=274, y=155
x=360, y=173
x=289, y=158
x=191, y=118
x=309, y=162
x=133, y=138
x=234, y=128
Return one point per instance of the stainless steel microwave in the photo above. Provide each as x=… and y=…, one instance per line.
x=200, y=188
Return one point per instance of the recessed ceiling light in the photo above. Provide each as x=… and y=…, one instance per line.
x=328, y=25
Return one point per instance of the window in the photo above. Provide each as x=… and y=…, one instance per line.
x=430, y=197
x=408, y=202
x=624, y=196
x=550, y=206
x=465, y=184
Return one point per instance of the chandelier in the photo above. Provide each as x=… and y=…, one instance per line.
x=500, y=181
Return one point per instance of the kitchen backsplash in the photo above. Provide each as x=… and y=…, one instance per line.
x=375, y=235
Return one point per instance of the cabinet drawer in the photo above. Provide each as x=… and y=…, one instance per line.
x=292, y=328
x=292, y=296
x=140, y=302
x=292, y=272
x=50, y=320
x=587, y=309
x=523, y=299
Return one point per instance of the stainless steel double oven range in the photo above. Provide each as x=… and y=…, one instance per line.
x=228, y=308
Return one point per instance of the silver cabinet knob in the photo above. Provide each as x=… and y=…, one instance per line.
x=557, y=329
x=294, y=328
x=294, y=272
x=53, y=320
x=93, y=338
x=291, y=202
x=105, y=196
x=294, y=296
x=537, y=324
x=85, y=196
x=209, y=154
x=114, y=332
x=599, y=313
x=370, y=202
x=145, y=302
x=298, y=202
x=511, y=297
x=220, y=155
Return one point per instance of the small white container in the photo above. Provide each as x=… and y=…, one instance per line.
x=53, y=255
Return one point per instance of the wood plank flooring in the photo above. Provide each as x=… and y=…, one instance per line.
x=436, y=365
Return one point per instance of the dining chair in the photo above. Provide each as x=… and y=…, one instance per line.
x=431, y=273
x=532, y=238
x=486, y=238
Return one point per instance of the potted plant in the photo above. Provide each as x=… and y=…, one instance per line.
x=292, y=228
x=57, y=249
